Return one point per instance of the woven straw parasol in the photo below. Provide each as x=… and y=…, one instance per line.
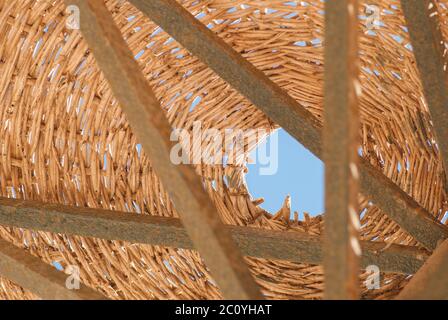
x=65, y=140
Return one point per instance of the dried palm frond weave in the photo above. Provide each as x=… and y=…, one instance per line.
x=64, y=138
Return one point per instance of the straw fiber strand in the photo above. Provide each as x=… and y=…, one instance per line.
x=65, y=140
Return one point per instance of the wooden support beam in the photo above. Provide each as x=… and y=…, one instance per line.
x=288, y=113
x=151, y=126
x=431, y=54
x=341, y=142
x=40, y=278
x=136, y=228
x=431, y=281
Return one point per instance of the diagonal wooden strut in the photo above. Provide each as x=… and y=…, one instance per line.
x=289, y=114
x=40, y=278
x=267, y=244
x=431, y=54
x=149, y=123
x=431, y=281
x=341, y=142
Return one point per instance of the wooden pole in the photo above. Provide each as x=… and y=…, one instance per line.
x=40, y=278
x=431, y=54
x=149, y=123
x=341, y=141
x=260, y=243
x=431, y=281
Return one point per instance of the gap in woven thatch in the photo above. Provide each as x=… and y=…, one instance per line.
x=300, y=179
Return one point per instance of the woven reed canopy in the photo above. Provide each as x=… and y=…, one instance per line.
x=67, y=145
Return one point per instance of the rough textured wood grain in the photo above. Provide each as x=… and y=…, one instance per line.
x=288, y=113
x=66, y=140
x=431, y=281
x=430, y=52
x=40, y=278
x=341, y=142
x=268, y=244
x=148, y=121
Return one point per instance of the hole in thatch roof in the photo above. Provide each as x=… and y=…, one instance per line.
x=299, y=174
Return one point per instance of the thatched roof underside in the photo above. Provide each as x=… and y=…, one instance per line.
x=64, y=139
